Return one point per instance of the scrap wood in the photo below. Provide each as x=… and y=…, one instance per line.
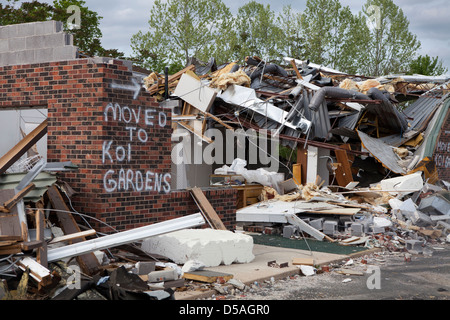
x=69, y=237
x=205, y=207
x=18, y=196
x=155, y=88
x=19, y=149
x=208, y=276
x=88, y=262
x=38, y=272
x=10, y=225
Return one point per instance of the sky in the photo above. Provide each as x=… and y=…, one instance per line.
x=429, y=20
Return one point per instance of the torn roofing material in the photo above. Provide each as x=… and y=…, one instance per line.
x=382, y=152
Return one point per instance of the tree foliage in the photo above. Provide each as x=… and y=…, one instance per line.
x=180, y=29
x=391, y=46
x=87, y=38
x=427, y=66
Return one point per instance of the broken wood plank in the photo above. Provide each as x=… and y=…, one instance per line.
x=207, y=209
x=30, y=245
x=207, y=276
x=41, y=254
x=37, y=271
x=72, y=236
x=343, y=172
x=294, y=65
x=10, y=225
x=19, y=149
x=18, y=196
x=88, y=262
x=303, y=261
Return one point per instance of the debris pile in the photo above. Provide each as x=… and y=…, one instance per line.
x=373, y=175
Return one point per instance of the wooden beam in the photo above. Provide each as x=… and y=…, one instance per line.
x=41, y=254
x=88, y=261
x=296, y=70
x=19, y=149
x=343, y=172
x=73, y=236
x=207, y=209
x=19, y=196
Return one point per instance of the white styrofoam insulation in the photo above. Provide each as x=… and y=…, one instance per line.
x=212, y=247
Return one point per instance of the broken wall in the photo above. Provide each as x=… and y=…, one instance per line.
x=120, y=142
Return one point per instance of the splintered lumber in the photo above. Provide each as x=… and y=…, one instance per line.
x=206, y=208
x=303, y=261
x=19, y=196
x=41, y=254
x=207, y=276
x=19, y=149
x=343, y=172
x=10, y=225
x=72, y=236
x=293, y=219
x=38, y=272
x=88, y=262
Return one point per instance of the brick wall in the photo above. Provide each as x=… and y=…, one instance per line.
x=441, y=154
x=121, y=145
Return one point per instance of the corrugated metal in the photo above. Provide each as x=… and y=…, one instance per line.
x=41, y=182
x=421, y=110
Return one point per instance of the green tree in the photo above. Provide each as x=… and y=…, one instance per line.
x=290, y=39
x=180, y=29
x=427, y=66
x=26, y=12
x=391, y=46
x=333, y=36
x=86, y=38
x=257, y=31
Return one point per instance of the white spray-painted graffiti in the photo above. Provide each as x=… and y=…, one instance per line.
x=126, y=179
x=441, y=157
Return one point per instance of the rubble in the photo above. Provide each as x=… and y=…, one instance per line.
x=364, y=175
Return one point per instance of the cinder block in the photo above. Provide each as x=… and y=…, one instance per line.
x=4, y=45
x=330, y=227
x=8, y=32
x=64, y=53
x=43, y=55
x=357, y=229
x=145, y=267
x=435, y=204
x=420, y=219
x=24, y=56
x=26, y=29
x=414, y=245
x=17, y=44
x=289, y=231
x=375, y=229
x=48, y=27
x=317, y=224
x=47, y=41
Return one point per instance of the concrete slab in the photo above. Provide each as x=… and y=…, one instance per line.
x=258, y=270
